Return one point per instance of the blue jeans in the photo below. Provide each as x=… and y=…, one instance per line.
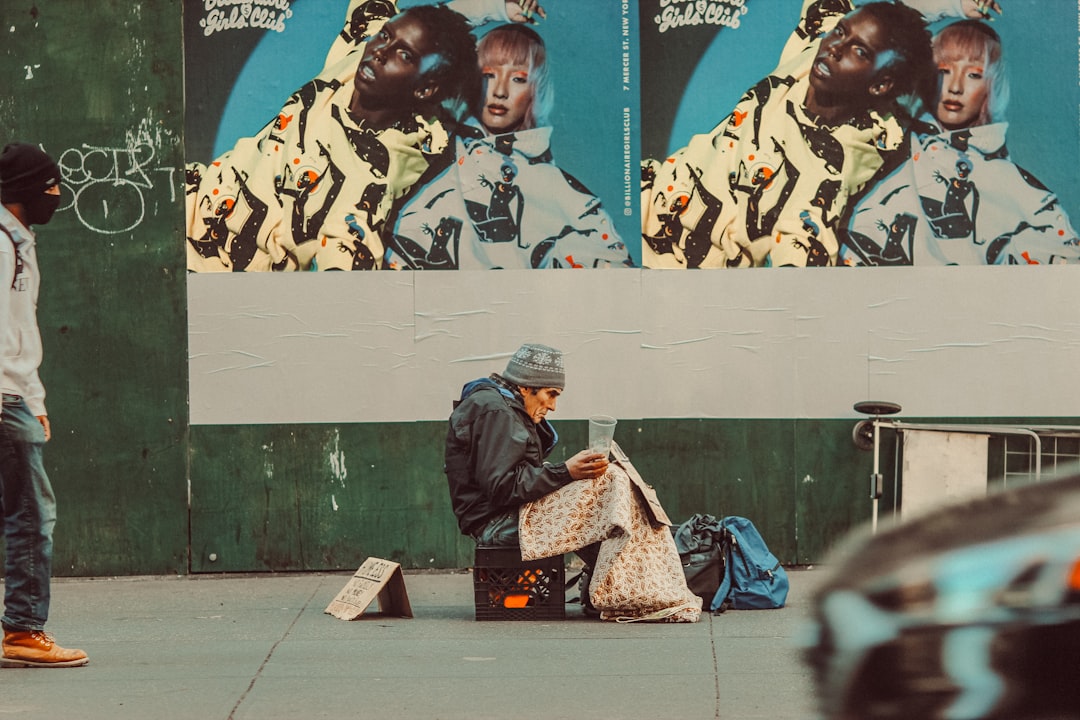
x=500, y=531
x=29, y=510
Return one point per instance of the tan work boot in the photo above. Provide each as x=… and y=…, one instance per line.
x=36, y=648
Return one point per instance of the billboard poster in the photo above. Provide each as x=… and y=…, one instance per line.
x=375, y=134
x=710, y=98
x=821, y=132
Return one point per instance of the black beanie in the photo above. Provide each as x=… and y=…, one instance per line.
x=25, y=172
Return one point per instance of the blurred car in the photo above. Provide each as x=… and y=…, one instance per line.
x=971, y=611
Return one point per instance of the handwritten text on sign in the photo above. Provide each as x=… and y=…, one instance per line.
x=375, y=578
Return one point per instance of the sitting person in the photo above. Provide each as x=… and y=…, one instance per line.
x=314, y=188
x=505, y=203
x=769, y=184
x=499, y=436
x=959, y=199
x=503, y=493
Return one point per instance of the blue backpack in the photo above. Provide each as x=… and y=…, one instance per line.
x=753, y=577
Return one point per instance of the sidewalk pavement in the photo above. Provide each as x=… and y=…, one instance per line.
x=260, y=647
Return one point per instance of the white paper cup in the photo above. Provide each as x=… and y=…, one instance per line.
x=601, y=432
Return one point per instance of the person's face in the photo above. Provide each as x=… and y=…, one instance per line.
x=508, y=95
x=540, y=401
x=851, y=59
x=962, y=92
x=40, y=210
x=391, y=72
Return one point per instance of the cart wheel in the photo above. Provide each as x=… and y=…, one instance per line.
x=863, y=435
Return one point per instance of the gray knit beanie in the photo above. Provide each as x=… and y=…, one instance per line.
x=536, y=366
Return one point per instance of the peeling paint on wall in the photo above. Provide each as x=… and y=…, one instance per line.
x=338, y=471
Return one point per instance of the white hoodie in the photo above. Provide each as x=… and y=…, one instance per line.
x=20, y=339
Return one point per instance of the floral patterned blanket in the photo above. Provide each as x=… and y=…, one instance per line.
x=638, y=574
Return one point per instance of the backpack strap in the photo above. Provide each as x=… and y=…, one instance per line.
x=722, y=592
x=14, y=249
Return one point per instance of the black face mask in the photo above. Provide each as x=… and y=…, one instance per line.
x=40, y=209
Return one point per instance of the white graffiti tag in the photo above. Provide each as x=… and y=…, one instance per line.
x=107, y=183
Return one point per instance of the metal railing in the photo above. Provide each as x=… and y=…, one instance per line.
x=1022, y=454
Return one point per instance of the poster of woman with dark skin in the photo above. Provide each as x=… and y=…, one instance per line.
x=320, y=186
x=779, y=187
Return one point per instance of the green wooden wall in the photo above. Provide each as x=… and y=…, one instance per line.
x=321, y=497
x=100, y=86
x=325, y=497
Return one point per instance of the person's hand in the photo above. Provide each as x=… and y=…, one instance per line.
x=524, y=11
x=981, y=9
x=587, y=465
x=44, y=420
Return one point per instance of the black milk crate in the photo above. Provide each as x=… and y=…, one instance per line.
x=507, y=588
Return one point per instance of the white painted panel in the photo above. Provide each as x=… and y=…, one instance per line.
x=396, y=347
x=941, y=468
x=301, y=348
x=978, y=342
x=715, y=345
x=469, y=323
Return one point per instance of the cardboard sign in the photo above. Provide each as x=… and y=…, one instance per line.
x=375, y=578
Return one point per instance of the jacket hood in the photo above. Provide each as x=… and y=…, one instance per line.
x=549, y=437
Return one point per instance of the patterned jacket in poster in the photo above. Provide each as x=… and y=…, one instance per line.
x=313, y=189
x=505, y=204
x=767, y=186
x=960, y=200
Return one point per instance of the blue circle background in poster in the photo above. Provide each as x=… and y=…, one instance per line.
x=278, y=65
x=1039, y=46
x=585, y=53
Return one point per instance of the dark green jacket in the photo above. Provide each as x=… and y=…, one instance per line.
x=495, y=454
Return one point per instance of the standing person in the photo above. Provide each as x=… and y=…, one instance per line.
x=29, y=195
x=768, y=185
x=505, y=203
x=959, y=199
